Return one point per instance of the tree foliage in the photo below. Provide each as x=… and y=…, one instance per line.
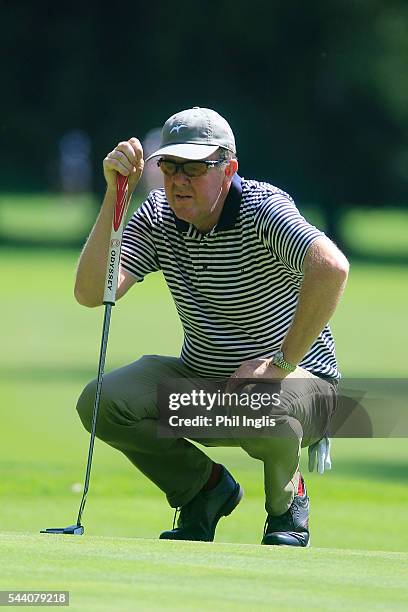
x=316, y=92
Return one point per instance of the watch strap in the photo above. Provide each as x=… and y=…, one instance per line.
x=279, y=360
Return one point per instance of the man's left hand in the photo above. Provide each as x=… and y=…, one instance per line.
x=319, y=455
x=255, y=368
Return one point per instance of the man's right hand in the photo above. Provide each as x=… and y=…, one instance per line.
x=127, y=159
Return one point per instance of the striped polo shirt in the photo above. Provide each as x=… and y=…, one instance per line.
x=236, y=287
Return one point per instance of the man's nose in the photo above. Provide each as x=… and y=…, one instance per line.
x=180, y=178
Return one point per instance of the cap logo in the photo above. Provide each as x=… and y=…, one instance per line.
x=178, y=127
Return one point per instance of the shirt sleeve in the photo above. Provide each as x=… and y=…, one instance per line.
x=139, y=253
x=284, y=231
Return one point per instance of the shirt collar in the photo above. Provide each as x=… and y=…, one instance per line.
x=230, y=210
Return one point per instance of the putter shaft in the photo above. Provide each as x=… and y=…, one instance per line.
x=101, y=368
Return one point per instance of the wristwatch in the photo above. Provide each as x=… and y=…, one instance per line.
x=279, y=360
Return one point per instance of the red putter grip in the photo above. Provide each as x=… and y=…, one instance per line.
x=121, y=196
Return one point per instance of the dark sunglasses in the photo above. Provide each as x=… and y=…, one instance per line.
x=189, y=168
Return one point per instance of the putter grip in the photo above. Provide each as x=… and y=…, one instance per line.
x=112, y=269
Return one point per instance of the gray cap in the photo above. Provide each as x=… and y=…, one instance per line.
x=195, y=134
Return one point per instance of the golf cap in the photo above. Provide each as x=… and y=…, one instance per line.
x=195, y=134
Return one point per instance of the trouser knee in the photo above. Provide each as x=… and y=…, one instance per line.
x=85, y=409
x=284, y=440
x=115, y=424
x=272, y=449
x=85, y=405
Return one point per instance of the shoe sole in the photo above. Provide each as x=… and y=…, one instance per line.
x=275, y=544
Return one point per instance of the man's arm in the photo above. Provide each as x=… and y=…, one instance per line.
x=126, y=158
x=325, y=271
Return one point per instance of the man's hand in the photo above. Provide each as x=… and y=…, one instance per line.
x=255, y=368
x=319, y=456
x=127, y=159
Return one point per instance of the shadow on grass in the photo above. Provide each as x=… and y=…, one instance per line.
x=374, y=470
x=50, y=373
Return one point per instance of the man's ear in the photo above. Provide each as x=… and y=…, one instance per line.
x=232, y=167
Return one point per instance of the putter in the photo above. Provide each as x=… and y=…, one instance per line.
x=109, y=298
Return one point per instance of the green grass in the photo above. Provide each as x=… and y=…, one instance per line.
x=377, y=231
x=50, y=336
x=57, y=217
x=127, y=574
x=50, y=350
x=46, y=216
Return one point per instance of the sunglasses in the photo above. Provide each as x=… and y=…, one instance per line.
x=189, y=168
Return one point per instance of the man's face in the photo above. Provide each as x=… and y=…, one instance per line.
x=197, y=200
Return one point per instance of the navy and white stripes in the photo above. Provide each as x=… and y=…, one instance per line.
x=236, y=287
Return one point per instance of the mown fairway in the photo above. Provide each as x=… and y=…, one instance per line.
x=50, y=350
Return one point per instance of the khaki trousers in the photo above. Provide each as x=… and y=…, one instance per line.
x=127, y=421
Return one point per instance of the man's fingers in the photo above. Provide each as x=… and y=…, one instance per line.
x=131, y=152
x=320, y=459
x=127, y=159
x=113, y=162
x=327, y=461
x=312, y=457
x=320, y=453
x=137, y=147
x=122, y=158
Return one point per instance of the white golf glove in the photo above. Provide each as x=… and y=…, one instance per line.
x=319, y=456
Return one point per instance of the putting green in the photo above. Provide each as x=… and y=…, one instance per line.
x=125, y=574
x=358, y=558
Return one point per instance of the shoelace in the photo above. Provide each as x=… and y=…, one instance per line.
x=295, y=511
x=188, y=512
x=265, y=526
x=279, y=523
x=175, y=517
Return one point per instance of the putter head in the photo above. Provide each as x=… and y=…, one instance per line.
x=72, y=530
